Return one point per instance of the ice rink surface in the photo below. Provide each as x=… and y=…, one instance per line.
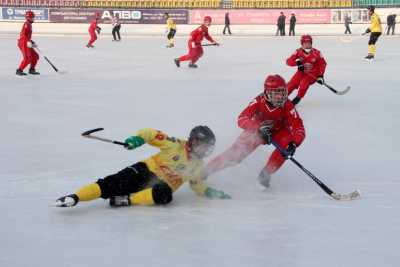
x=352, y=143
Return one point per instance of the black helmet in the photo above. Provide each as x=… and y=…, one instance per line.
x=201, y=141
x=371, y=8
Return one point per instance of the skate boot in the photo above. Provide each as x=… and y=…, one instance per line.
x=89, y=46
x=19, y=72
x=67, y=201
x=120, y=201
x=177, y=62
x=192, y=65
x=33, y=72
x=369, y=57
x=170, y=45
x=264, y=178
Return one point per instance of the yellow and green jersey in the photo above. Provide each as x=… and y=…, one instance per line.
x=376, y=25
x=173, y=164
x=171, y=24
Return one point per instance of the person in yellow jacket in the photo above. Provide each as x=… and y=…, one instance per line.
x=152, y=181
x=376, y=30
x=171, y=30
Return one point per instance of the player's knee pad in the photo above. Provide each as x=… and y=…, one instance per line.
x=162, y=193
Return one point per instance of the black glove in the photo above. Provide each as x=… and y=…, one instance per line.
x=367, y=31
x=320, y=79
x=299, y=64
x=98, y=30
x=296, y=100
x=265, y=133
x=290, y=150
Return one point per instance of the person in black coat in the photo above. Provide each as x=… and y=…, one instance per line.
x=391, y=23
x=227, y=24
x=347, y=22
x=292, y=24
x=281, y=25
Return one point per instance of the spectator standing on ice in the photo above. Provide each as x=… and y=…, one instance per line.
x=391, y=23
x=347, y=22
x=116, y=24
x=227, y=24
x=281, y=25
x=292, y=24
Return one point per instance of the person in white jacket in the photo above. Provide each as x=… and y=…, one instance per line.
x=116, y=26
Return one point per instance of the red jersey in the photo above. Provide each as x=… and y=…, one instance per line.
x=259, y=111
x=199, y=34
x=26, y=32
x=93, y=25
x=314, y=63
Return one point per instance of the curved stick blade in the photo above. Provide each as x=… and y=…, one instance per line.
x=92, y=131
x=345, y=91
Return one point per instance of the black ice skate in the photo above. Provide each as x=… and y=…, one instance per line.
x=89, y=46
x=177, y=62
x=19, y=72
x=33, y=72
x=120, y=201
x=192, y=65
x=67, y=201
x=369, y=57
x=264, y=178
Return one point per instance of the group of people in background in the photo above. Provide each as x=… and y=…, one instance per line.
x=281, y=24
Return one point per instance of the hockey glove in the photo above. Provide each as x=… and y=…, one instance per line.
x=265, y=132
x=98, y=30
x=296, y=100
x=300, y=65
x=320, y=79
x=213, y=193
x=134, y=142
x=290, y=150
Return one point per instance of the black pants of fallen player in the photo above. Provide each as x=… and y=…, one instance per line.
x=115, y=32
x=134, y=179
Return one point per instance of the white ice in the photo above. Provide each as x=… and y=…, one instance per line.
x=352, y=143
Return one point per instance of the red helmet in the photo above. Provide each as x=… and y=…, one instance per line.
x=97, y=15
x=207, y=19
x=275, y=91
x=29, y=15
x=305, y=39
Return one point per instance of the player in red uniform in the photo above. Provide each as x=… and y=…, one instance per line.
x=269, y=117
x=311, y=68
x=93, y=28
x=194, y=44
x=26, y=46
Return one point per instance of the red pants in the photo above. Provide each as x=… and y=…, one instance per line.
x=300, y=81
x=244, y=145
x=194, y=53
x=93, y=37
x=29, y=56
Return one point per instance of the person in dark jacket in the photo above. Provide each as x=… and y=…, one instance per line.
x=227, y=24
x=391, y=23
x=281, y=25
x=292, y=24
x=347, y=22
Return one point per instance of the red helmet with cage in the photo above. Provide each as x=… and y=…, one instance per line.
x=29, y=15
x=275, y=91
x=306, y=39
x=207, y=19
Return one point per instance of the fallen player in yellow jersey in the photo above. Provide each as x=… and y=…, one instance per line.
x=152, y=181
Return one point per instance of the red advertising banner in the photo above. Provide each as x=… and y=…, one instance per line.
x=264, y=16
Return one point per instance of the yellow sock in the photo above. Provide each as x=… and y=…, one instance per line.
x=144, y=197
x=372, y=49
x=171, y=41
x=89, y=192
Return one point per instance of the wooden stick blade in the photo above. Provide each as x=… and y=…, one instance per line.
x=351, y=196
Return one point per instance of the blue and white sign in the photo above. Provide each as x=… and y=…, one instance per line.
x=18, y=13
